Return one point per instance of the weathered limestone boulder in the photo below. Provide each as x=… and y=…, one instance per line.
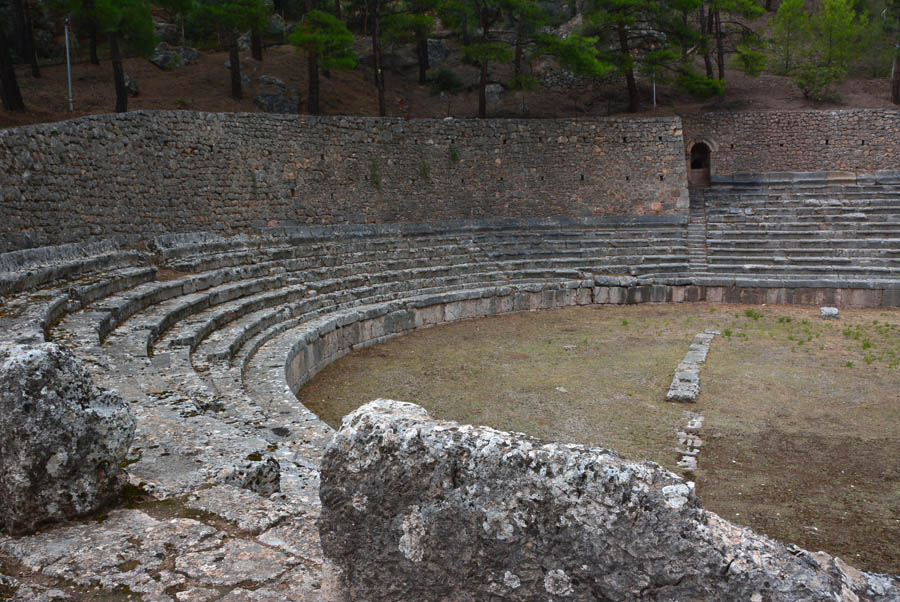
x=418, y=509
x=168, y=57
x=63, y=438
x=275, y=96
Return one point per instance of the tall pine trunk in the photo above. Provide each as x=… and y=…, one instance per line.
x=482, y=90
x=234, y=57
x=520, y=47
x=705, y=27
x=118, y=73
x=91, y=30
x=256, y=45
x=24, y=37
x=377, y=59
x=422, y=57
x=895, y=80
x=633, y=100
x=720, y=48
x=10, y=95
x=92, y=41
x=312, y=66
x=312, y=70
x=31, y=50
x=421, y=46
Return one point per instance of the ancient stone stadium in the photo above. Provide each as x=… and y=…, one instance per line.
x=206, y=266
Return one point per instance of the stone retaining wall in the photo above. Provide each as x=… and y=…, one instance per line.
x=153, y=172
x=861, y=140
x=324, y=340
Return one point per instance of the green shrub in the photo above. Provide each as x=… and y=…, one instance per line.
x=445, y=80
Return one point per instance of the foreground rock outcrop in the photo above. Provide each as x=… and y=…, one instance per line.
x=63, y=438
x=419, y=509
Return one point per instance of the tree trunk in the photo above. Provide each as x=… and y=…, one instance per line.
x=482, y=94
x=23, y=37
x=520, y=47
x=234, y=58
x=92, y=42
x=10, y=95
x=633, y=100
x=422, y=57
x=337, y=10
x=312, y=70
x=720, y=49
x=256, y=45
x=18, y=23
x=895, y=80
x=30, y=50
x=705, y=26
x=377, y=68
x=422, y=48
x=118, y=73
x=312, y=102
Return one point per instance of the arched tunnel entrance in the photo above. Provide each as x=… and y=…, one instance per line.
x=698, y=174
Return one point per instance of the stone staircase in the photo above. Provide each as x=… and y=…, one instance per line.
x=696, y=234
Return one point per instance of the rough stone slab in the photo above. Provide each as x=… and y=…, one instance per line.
x=298, y=536
x=299, y=585
x=250, y=511
x=235, y=562
x=419, y=509
x=127, y=549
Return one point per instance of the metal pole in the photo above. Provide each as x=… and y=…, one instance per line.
x=69, y=67
x=654, y=90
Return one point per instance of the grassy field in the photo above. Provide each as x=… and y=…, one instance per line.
x=801, y=439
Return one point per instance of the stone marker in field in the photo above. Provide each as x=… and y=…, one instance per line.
x=829, y=313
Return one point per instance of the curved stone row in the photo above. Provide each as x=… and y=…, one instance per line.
x=196, y=333
x=210, y=337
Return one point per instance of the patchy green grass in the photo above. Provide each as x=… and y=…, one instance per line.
x=802, y=415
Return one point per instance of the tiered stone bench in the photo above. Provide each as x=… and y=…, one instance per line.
x=212, y=336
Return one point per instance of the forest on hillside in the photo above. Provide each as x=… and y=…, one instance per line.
x=481, y=48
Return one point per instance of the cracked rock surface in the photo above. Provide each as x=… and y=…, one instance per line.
x=419, y=509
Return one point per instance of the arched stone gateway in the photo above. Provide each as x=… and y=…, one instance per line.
x=700, y=164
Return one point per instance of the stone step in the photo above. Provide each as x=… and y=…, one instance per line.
x=118, y=308
x=813, y=271
x=23, y=271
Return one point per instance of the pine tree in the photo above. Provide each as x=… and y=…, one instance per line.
x=234, y=16
x=834, y=44
x=329, y=43
x=892, y=26
x=412, y=23
x=790, y=31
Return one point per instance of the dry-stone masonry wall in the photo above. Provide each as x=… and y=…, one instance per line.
x=156, y=172
x=752, y=143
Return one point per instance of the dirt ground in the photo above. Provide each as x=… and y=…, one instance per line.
x=801, y=437
x=205, y=86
